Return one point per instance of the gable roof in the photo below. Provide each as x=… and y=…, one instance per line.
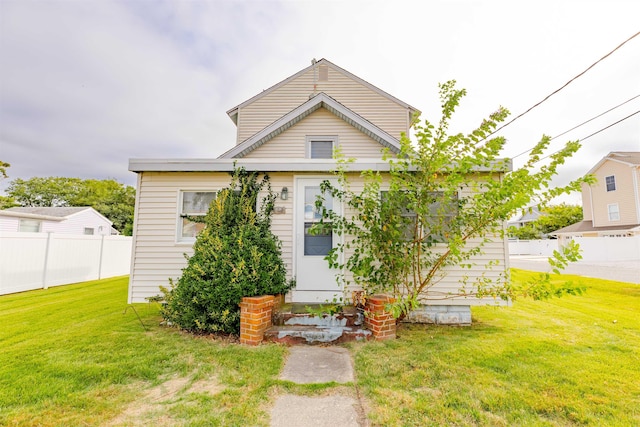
x=321, y=100
x=631, y=158
x=49, y=213
x=233, y=113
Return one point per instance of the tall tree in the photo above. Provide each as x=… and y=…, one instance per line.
x=5, y=202
x=438, y=208
x=552, y=218
x=235, y=255
x=3, y=169
x=109, y=197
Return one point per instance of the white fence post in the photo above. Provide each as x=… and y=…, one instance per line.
x=100, y=259
x=45, y=268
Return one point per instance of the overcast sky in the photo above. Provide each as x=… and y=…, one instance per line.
x=87, y=85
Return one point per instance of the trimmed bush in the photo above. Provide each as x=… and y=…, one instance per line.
x=235, y=256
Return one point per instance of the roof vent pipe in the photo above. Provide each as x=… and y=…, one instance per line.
x=315, y=77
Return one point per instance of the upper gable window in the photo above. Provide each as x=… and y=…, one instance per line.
x=320, y=147
x=611, y=183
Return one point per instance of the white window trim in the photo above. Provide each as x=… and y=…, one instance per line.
x=311, y=138
x=187, y=240
x=609, y=212
x=615, y=184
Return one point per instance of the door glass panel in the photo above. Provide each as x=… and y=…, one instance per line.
x=310, y=196
x=317, y=244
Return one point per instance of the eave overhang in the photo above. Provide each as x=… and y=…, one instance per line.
x=283, y=165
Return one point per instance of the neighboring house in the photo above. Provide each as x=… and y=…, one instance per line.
x=530, y=214
x=64, y=220
x=611, y=206
x=289, y=131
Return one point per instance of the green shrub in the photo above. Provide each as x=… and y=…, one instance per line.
x=235, y=256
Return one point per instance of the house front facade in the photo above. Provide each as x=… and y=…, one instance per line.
x=611, y=206
x=290, y=132
x=64, y=220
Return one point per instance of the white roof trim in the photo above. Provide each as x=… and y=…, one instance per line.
x=89, y=208
x=613, y=159
x=233, y=112
x=32, y=216
x=263, y=165
x=321, y=100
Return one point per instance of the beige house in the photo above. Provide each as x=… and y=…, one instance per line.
x=289, y=131
x=611, y=206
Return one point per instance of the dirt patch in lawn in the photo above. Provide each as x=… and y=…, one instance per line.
x=154, y=406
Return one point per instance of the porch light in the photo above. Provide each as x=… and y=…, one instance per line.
x=284, y=194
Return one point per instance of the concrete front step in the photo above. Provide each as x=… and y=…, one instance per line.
x=297, y=314
x=313, y=334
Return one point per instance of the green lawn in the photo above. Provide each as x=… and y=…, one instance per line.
x=568, y=361
x=70, y=357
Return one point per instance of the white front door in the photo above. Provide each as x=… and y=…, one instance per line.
x=315, y=281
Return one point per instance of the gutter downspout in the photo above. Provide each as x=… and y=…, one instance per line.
x=635, y=170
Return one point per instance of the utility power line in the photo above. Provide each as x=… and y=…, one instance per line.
x=584, y=123
x=563, y=86
x=595, y=133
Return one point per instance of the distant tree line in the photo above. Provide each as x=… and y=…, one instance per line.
x=112, y=199
x=552, y=218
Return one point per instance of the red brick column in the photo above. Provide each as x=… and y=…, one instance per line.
x=255, y=318
x=379, y=321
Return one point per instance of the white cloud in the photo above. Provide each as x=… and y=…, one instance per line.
x=84, y=86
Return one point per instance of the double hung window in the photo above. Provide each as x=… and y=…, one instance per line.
x=192, y=204
x=437, y=221
x=610, y=181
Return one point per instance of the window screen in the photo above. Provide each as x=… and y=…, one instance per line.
x=321, y=149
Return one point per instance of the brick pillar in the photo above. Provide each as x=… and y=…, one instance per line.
x=255, y=318
x=379, y=321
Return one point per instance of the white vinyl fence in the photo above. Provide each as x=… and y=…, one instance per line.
x=39, y=260
x=532, y=247
x=609, y=248
x=591, y=248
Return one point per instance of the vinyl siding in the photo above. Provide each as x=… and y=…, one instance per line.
x=158, y=256
x=74, y=224
x=623, y=195
x=376, y=108
x=451, y=282
x=8, y=223
x=587, y=211
x=292, y=143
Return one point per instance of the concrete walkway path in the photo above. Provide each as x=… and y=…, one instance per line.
x=317, y=365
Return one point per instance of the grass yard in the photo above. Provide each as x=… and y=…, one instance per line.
x=70, y=357
x=568, y=361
